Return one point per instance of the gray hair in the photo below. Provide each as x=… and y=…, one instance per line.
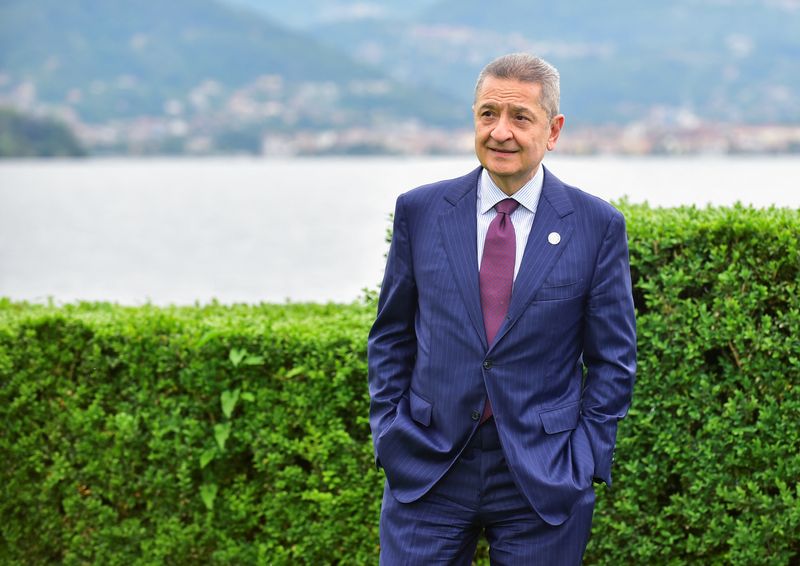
x=526, y=68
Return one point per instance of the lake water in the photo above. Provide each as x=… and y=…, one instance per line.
x=250, y=230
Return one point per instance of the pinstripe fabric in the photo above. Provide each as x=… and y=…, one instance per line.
x=430, y=367
x=478, y=493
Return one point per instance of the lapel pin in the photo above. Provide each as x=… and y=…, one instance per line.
x=554, y=238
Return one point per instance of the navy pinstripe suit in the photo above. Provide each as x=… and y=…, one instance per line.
x=430, y=367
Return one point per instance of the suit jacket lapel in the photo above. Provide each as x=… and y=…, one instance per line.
x=540, y=254
x=459, y=231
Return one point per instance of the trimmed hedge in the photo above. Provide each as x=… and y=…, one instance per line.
x=708, y=460
x=209, y=435
x=239, y=435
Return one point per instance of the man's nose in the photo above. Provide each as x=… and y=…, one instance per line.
x=501, y=132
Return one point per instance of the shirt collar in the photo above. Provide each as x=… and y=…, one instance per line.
x=489, y=194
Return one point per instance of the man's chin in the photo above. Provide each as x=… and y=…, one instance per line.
x=502, y=175
x=501, y=169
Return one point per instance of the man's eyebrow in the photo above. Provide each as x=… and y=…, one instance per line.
x=523, y=109
x=516, y=108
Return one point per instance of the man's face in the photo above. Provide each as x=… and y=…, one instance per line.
x=512, y=131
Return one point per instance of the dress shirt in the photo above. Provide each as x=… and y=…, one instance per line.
x=489, y=194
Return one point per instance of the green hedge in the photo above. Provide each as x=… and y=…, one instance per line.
x=708, y=461
x=185, y=436
x=239, y=435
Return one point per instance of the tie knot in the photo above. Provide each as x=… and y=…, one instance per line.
x=506, y=206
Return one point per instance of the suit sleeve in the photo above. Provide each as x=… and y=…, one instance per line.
x=609, y=347
x=392, y=343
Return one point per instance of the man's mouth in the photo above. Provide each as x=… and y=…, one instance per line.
x=503, y=151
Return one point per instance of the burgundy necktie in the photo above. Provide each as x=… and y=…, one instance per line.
x=497, y=274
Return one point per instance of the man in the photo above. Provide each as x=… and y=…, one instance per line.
x=503, y=353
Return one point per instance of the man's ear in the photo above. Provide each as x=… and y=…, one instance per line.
x=555, y=130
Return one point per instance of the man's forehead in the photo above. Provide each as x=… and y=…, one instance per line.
x=494, y=87
x=515, y=99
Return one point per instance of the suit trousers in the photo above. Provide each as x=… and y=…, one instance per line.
x=478, y=494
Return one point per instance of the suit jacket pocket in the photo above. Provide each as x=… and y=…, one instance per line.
x=561, y=418
x=559, y=292
x=420, y=409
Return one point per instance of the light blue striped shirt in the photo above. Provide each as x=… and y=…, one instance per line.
x=489, y=194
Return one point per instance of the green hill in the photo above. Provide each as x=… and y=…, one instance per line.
x=111, y=59
x=620, y=61
x=26, y=136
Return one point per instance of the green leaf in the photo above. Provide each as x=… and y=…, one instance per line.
x=247, y=396
x=210, y=335
x=207, y=456
x=208, y=492
x=254, y=361
x=236, y=356
x=221, y=433
x=228, y=400
x=295, y=371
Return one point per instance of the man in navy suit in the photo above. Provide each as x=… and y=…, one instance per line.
x=489, y=413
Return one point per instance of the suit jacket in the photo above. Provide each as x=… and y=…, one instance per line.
x=559, y=373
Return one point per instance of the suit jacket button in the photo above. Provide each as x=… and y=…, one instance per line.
x=475, y=415
x=487, y=364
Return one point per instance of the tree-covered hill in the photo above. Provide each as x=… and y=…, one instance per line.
x=110, y=59
x=620, y=61
x=203, y=76
x=26, y=136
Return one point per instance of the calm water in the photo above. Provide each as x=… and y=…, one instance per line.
x=251, y=230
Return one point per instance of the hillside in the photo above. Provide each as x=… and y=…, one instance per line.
x=113, y=59
x=26, y=136
x=352, y=76
x=722, y=61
